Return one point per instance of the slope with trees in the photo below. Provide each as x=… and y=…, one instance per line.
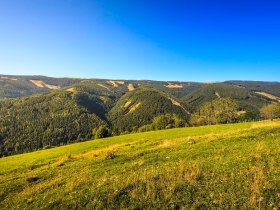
x=271, y=111
x=140, y=107
x=219, y=111
x=51, y=119
x=258, y=86
x=96, y=108
x=247, y=101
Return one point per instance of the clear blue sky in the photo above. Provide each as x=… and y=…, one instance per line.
x=187, y=40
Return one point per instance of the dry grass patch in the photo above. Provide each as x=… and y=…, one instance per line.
x=116, y=83
x=38, y=83
x=130, y=87
x=217, y=94
x=176, y=103
x=72, y=90
x=269, y=123
x=9, y=78
x=127, y=104
x=103, y=86
x=98, y=152
x=268, y=95
x=133, y=108
x=121, y=82
x=167, y=143
x=41, y=84
x=173, y=85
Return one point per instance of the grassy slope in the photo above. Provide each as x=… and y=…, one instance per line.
x=224, y=166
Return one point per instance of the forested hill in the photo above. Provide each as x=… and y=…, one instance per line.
x=12, y=86
x=17, y=86
x=38, y=112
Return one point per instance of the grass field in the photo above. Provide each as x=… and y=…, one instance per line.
x=213, y=167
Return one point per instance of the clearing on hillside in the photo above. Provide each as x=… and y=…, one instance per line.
x=41, y=84
x=172, y=85
x=130, y=87
x=103, y=86
x=134, y=107
x=115, y=83
x=270, y=96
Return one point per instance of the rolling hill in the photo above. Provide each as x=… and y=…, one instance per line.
x=259, y=86
x=141, y=106
x=12, y=86
x=247, y=99
x=233, y=166
x=55, y=118
x=38, y=112
x=17, y=86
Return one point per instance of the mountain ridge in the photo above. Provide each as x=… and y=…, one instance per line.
x=37, y=115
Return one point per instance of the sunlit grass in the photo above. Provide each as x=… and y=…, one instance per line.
x=225, y=166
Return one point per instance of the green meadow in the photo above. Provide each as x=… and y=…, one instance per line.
x=234, y=166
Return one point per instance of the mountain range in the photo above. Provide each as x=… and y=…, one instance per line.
x=37, y=111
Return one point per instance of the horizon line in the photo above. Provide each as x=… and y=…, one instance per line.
x=97, y=78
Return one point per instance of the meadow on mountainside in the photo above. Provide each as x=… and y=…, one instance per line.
x=139, y=105
x=235, y=166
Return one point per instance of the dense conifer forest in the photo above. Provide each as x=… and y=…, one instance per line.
x=39, y=112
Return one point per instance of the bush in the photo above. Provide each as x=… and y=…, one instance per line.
x=219, y=111
x=271, y=111
x=102, y=132
x=145, y=128
x=179, y=123
x=163, y=122
x=247, y=117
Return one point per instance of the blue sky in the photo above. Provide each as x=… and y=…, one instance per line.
x=182, y=40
